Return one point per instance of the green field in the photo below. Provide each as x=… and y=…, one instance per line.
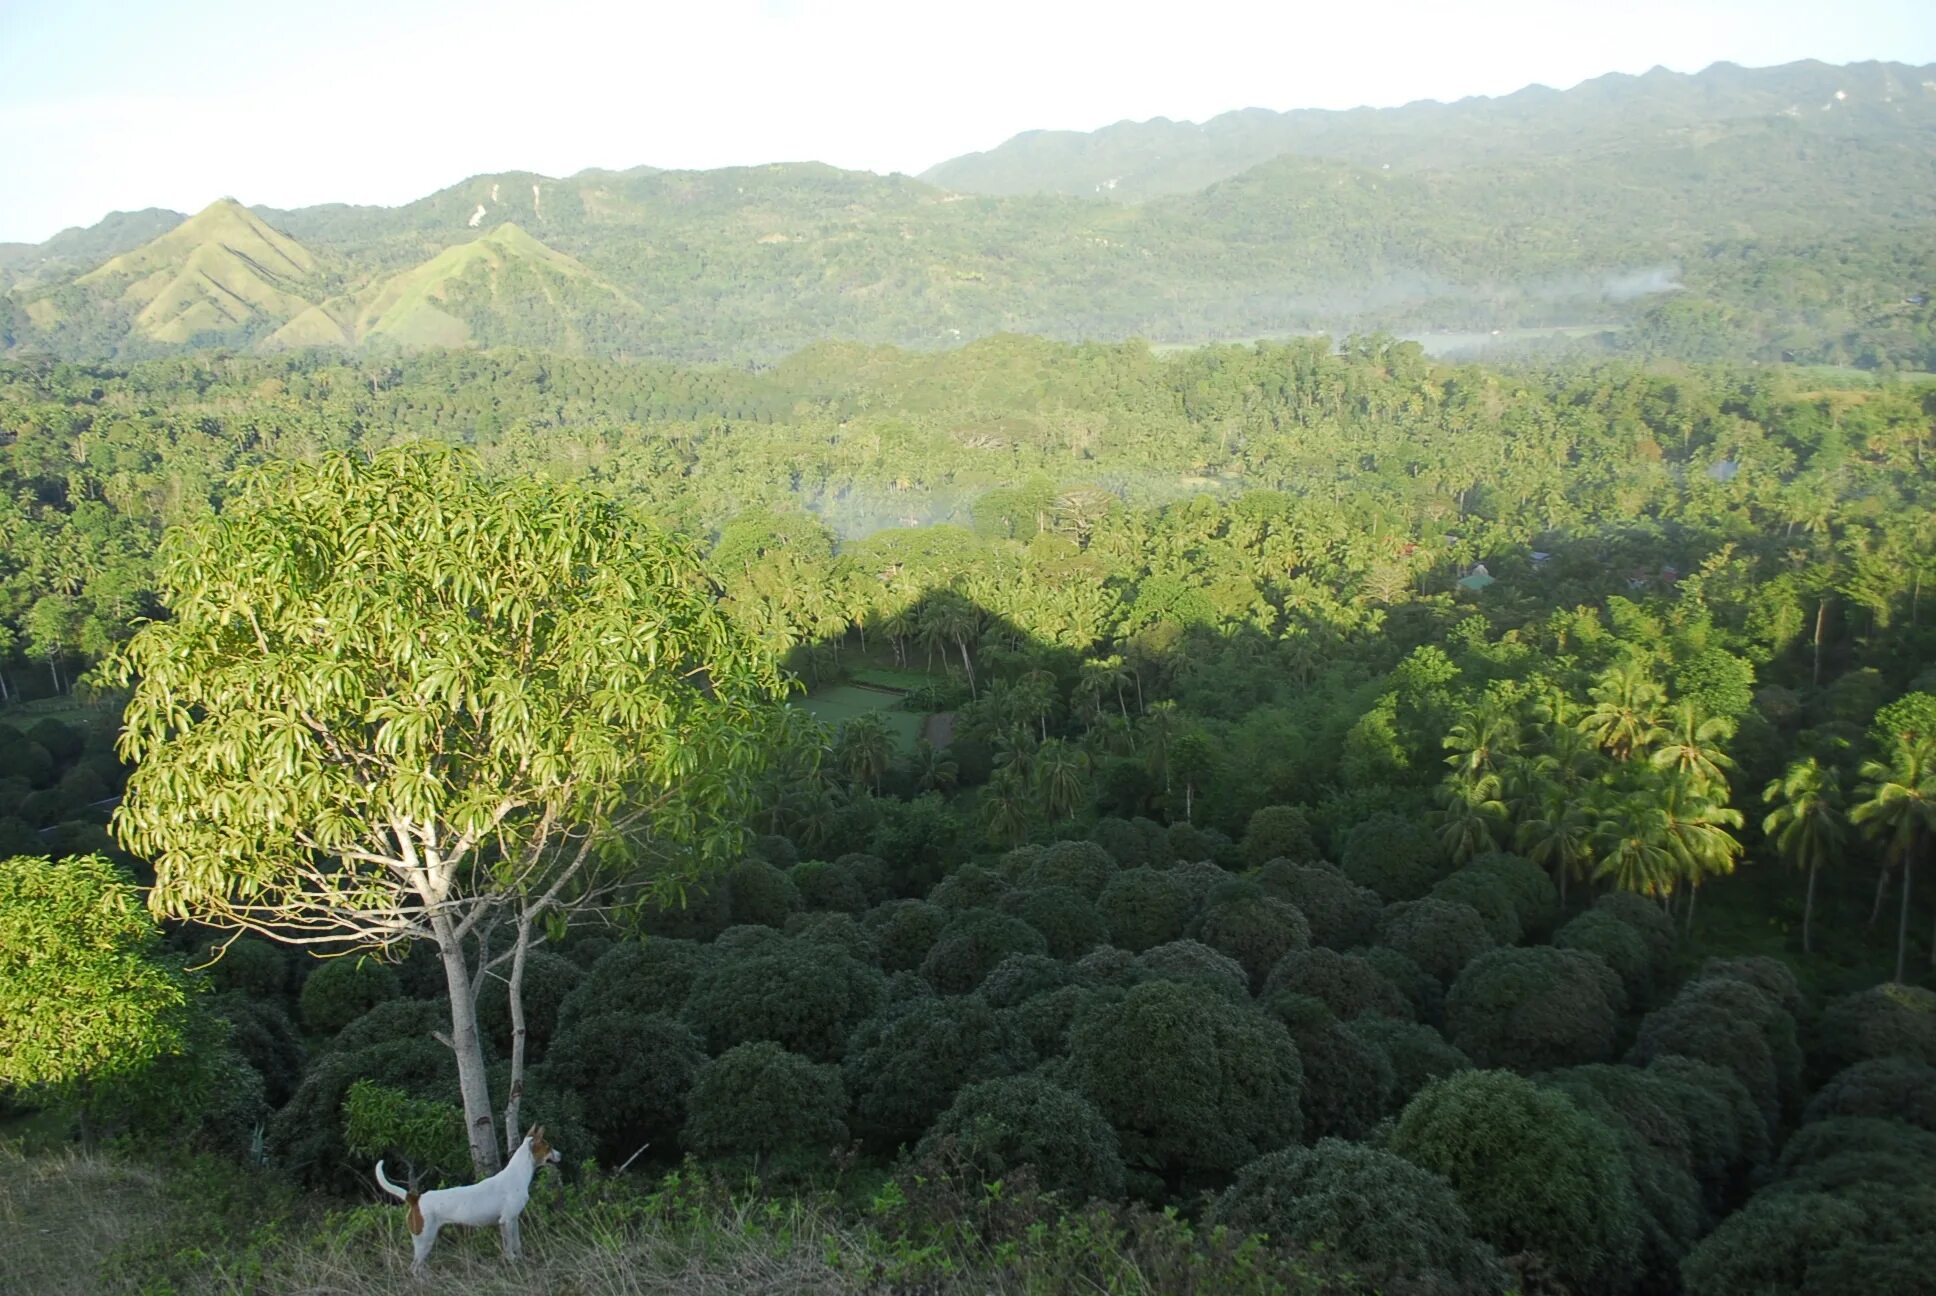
x=844, y=701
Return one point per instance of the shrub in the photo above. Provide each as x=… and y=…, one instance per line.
x=875, y=875
x=1192, y=844
x=1870, y=1140
x=1789, y=1242
x=1341, y=914
x=1729, y=1136
x=1533, y=896
x=736, y=941
x=1044, y=1019
x=548, y=979
x=1188, y=960
x=1735, y=1026
x=1418, y=1054
x=1534, y=1009
x=1347, y=983
x=903, y=1071
x=1769, y=975
x=1070, y=924
x=839, y=931
x=1256, y=931
x=62, y=741
x=337, y=991
x=1420, y=988
x=262, y=1034
x=1157, y=851
x=1203, y=879
x=1145, y=907
x=1347, y=1081
x=1400, y=1228
x=973, y=943
x=1020, y=977
x=1083, y=867
x=654, y=975
x=1193, y=1083
x=1534, y=1173
x=250, y=965
x=306, y=1135
x=1439, y=936
x=1646, y=918
x=24, y=759
x=904, y=931
x=778, y=851
x=1277, y=832
x=806, y=998
x=999, y=1126
x=1122, y=841
x=761, y=1103
x=1616, y=942
x=393, y=1019
x=1889, y=1020
x=758, y=892
x=1108, y=966
x=825, y=886
x=970, y=887
x=1488, y=896
x=633, y=1074
x=1391, y=855
x=1895, y=1088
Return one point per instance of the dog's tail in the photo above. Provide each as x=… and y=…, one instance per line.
x=383, y=1181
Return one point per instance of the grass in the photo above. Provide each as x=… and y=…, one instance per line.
x=107, y=1224
x=66, y=709
x=843, y=702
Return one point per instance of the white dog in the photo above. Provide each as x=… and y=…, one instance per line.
x=497, y=1200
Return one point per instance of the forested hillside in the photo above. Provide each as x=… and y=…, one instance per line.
x=1731, y=215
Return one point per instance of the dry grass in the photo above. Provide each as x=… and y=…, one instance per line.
x=61, y=1214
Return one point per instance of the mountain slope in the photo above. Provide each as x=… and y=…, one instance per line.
x=1137, y=161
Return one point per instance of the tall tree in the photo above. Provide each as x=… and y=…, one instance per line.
x=1805, y=825
x=396, y=701
x=1897, y=805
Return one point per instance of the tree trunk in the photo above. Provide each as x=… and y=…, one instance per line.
x=1902, y=924
x=1808, y=911
x=967, y=667
x=465, y=1042
x=1821, y=617
x=1693, y=894
x=1561, y=869
x=1882, y=891
x=514, y=988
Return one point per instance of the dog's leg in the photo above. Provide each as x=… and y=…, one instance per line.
x=513, y=1243
x=424, y=1241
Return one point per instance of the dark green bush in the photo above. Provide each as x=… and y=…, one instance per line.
x=1488, y=896
x=393, y=1019
x=1418, y=1054
x=1145, y=907
x=1188, y=960
x=874, y=874
x=841, y=931
x=972, y=945
x=62, y=741
x=1534, y=1009
x=1736, y=1026
x=1769, y=975
x=1045, y=1019
x=1420, y=988
x=1393, y=855
x=806, y=998
x=1895, y=1088
x=735, y=941
x=548, y=979
x=22, y=758
x=970, y=887
x=1192, y=1083
x=1157, y=851
x=1730, y=1138
x=1618, y=943
x=760, y=1103
x=1070, y=924
x=1083, y=867
x=1278, y=832
x=903, y=1071
x=654, y=975
x=1191, y=843
x=633, y=1073
x=1122, y=841
x=1534, y=898
x=904, y=931
x=778, y=851
x=337, y=991
x=1257, y=931
x=1534, y=1173
x=1348, y=1081
x=1645, y=917
x=1020, y=977
x=262, y=1034
x=1889, y=1020
x=250, y=965
x=1108, y=966
x=1794, y=1242
x=998, y=1126
x=1348, y=983
x=1438, y=935
x=758, y=892
x=305, y=1137
x=1340, y=913
x=825, y=886
x=1398, y=1227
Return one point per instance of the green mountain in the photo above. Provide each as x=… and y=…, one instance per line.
x=1132, y=162
x=1673, y=208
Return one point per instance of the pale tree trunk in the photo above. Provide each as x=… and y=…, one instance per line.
x=515, y=989
x=468, y=1046
x=1808, y=911
x=1821, y=617
x=966, y=666
x=1882, y=892
x=1902, y=924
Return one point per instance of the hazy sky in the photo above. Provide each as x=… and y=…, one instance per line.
x=121, y=104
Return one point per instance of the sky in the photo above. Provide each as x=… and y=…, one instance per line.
x=122, y=104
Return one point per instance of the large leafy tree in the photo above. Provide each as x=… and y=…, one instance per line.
x=394, y=700
x=1897, y=804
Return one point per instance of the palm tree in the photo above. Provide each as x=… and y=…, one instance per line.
x=1625, y=701
x=1695, y=828
x=1898, y=803
x=1806, y=824
x=865, y=749
x=1480, y=743
x=1691, y=747
x=1629, y=840
x=1059, y=773
x=1558, y=834
x=934, y=769
x=1005, y=807
x=1470, y=818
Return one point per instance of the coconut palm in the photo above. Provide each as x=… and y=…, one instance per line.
x=865, y=750
x=1470, y=821
x=1690, y=746
x=1005, y=807
x=1480, y=743
x=1629, y=843
x=934, y=769
x=1696, y=829
x=1625, y=702
x=1897, y=805
x=1806, y=824
x=1061, y=774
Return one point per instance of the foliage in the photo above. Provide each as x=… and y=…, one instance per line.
x=1340, y=913
x=903, y=1070
x=1894, y=1088
x=1188, y=960
x=1888, y=1020
x=760, y=1102
x=999, y=1126
x=634, y=1073
x=1145, y=907
x=1534, y=1009
x=338, y=991
x=972, y=944
x=800, y=996
x=1392, y=855
x=1070, y=924
x=1440, y=936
